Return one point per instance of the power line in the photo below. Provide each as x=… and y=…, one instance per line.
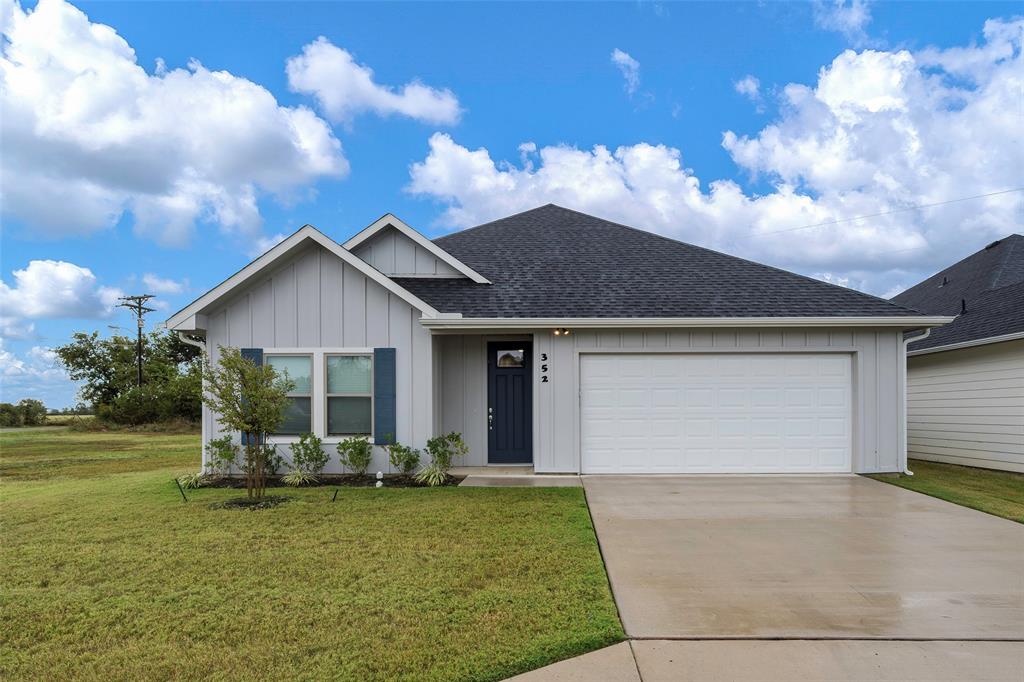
x=895, y=210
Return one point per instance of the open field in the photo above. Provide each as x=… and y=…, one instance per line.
x=108, y=574
x=996, y=492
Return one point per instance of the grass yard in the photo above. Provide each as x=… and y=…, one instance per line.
x=997, y=492
x=108, y=574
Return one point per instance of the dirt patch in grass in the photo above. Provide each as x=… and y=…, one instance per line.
x=251, y=503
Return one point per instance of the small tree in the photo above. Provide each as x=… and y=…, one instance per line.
x=251, y=400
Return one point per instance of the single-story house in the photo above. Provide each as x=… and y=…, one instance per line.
x=965, y=382
x=558, y=340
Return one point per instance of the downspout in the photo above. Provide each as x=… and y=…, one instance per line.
x=201, y=345
x=903, y=381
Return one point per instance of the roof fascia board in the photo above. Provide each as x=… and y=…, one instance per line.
x=417, y=238
x=655, y=322
x=968, y=344
x=283, y=248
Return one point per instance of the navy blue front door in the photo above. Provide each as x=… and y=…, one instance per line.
x=509, y=402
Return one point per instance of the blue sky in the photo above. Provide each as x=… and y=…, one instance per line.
x=723, y=124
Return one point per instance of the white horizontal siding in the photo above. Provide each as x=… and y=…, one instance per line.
x=967, y=406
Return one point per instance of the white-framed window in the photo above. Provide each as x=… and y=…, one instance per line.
x=298, y=416
x=348, y=395
x=333, y=394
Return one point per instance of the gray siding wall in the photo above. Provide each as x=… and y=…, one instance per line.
x=315, y=300
x=462, y=393
x=396, y=255
x=967, y=406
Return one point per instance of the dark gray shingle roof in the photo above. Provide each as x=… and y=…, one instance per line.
x=554, y=262
x=989, y=283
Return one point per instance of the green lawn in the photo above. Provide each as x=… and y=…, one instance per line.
x=108, y=574
x=996, y=492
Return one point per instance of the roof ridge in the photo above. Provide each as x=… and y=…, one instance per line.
x=678, y=242
x=496, y=220
x=979, y=252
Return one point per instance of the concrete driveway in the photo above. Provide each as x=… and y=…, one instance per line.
x=841, y=557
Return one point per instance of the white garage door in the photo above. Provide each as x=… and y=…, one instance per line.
x=715, y=413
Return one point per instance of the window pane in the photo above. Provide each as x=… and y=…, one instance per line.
x=510, y=358
x=349, y=374
x=299, y=368
x=298, y=417
x=348, y=416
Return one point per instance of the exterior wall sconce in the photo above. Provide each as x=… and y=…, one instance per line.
x=561, y=331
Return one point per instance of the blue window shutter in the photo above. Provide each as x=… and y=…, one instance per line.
x=255, y=356
x=384, y=428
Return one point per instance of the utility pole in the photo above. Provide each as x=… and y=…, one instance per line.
x=137, y=304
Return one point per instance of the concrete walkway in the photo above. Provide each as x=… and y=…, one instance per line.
x=802, y=578
x=761, y=661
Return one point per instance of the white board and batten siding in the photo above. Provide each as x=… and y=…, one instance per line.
x=317, y=302
x=966, y=406
x=396, y=255
x=859, y=414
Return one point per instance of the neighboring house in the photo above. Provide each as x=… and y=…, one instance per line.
x=965, y=400
x=571, y=343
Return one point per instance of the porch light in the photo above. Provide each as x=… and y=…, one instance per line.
x=561, y=331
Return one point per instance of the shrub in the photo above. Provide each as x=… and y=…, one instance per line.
x=221, y=455
x=196, y=479
x=442, y=450
x=403, y=457
x=272, y=461
x=297, y=477
x=308, y=455
x=356, y=454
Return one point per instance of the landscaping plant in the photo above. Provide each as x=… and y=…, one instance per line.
x=442, y=450
x=355, y=453
x=403, y=457
x=221, y=456
x=308, y=460
x=251, y=399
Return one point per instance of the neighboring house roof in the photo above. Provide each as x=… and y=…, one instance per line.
x=552, y=262
x=988, y=286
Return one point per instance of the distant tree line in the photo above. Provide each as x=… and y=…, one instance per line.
x=27, y=412
x=172, y=377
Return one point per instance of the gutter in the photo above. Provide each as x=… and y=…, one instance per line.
x=201, y=345
x=452, y=322
x=903, y=381
x=967, y=344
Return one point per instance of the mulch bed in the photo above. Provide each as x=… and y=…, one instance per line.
x=247, y=503
x=334, y=480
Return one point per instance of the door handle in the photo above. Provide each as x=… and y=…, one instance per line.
x=490, y=419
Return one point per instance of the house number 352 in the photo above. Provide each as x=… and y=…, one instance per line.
x=543, y=368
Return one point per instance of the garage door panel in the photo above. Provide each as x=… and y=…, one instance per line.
x=707, y=413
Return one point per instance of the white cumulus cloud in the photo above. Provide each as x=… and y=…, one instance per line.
x=89, y=135
x=749, y=86
x=849, y=17
x=878, y=132
x=629, y=68
x=51, y=289
x=37, y=375
x=345, y=88
x=163, y=285
x=266, y=243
